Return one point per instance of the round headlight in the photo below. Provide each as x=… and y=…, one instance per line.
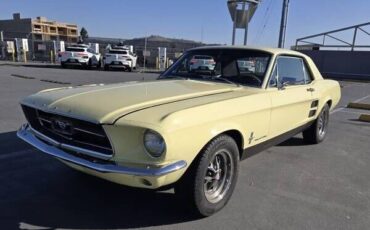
x=154, y=143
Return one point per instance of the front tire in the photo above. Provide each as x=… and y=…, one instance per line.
x=106, y=67
x=316, y=133
x=210, y=181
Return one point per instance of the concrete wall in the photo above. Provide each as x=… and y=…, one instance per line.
x=342, y=64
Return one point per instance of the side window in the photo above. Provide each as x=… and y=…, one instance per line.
x=290, y=71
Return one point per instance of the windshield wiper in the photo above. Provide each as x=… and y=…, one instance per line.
x=200, y=77
x=219, y=77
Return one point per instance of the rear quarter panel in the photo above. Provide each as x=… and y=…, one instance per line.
x=327, y=91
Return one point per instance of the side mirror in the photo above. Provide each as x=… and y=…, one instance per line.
x=281, y=86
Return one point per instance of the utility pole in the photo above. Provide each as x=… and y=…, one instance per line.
x=284, y=21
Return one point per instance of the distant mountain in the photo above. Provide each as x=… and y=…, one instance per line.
x=104, y=40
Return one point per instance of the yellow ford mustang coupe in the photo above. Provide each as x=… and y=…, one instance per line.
x=189, y=128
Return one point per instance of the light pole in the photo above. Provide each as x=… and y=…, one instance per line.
x=283, y=24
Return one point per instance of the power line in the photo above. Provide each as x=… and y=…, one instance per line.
x=265, y=21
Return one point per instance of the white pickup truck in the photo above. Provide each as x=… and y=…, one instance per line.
x=80, y=55
x=119, y=57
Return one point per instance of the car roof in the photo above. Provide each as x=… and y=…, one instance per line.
x=274, y=51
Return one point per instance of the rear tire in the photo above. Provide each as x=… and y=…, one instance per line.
x=210, y=181
x=106, y=67
x=316, y=133
x=89, y=64
x=63, y=65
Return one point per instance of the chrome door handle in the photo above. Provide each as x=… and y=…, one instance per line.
x=310, y=89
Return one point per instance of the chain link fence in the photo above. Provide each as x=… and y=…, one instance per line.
x=18, y=49
x=12, y=49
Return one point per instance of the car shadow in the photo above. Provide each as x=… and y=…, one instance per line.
x=38, y=191
x=294, y=141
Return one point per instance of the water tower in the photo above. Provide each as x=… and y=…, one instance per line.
x=241, y=12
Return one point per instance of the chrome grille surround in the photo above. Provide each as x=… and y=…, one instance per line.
x=70, y=133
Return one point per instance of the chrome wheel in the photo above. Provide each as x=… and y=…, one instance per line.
x=218, y=176
x=323, y=122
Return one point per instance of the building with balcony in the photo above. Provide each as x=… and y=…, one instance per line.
x=40, y=29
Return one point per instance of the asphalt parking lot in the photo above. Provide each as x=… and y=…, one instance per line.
x=289, y=186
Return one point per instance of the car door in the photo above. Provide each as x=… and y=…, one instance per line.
x=291, y=95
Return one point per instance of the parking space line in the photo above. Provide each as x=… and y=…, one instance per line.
x=361, y=99
x=352, y=112
x=355, y=101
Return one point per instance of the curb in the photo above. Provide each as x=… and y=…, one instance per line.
x=358, y=106
x=41, y=66
x=36, y=65
x=364, y=117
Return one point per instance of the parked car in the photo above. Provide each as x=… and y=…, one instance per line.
x=120, y=57
x=80, y=55
x=246, y=65
x=186, y=130
x=202, y=62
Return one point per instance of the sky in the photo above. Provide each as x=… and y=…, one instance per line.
x=201, y=20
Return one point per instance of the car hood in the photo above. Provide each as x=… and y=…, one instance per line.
x=106, y=103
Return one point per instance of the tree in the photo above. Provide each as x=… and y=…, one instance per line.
x=83, y=33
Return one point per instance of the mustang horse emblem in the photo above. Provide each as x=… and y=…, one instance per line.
x=63, y=127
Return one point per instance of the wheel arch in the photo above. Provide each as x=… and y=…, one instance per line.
x=235, y=134
x=238, y=138
x=329, y=102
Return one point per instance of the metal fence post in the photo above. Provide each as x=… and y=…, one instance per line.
x=2, y=45
x=24, y=56
x=144, y=53
x=354, y=39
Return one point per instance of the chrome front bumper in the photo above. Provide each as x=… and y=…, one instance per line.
x=27, y=134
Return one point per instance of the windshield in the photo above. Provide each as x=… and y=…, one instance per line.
x=117, y=51
x=74, y=49
x=231, y=66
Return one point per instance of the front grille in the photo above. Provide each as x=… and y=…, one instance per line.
x=69, y=131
